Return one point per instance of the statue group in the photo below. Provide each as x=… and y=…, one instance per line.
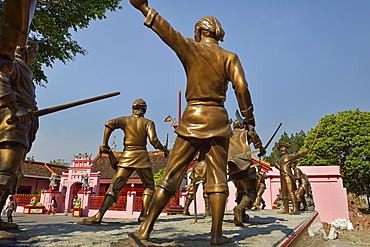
x=204, y=127
x=286, y=165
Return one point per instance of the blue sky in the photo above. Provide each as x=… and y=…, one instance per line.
x=302, y=59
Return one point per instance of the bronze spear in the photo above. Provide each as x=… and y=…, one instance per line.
x=47, y=111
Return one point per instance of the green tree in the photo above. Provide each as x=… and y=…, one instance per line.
x=296, y=140
x=32, y=158
x=158, y=176
x=343, y=140
x=52, y=25
x=20, y=180
x=59, y=162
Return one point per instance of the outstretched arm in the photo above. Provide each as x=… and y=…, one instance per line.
x=141, y=5
x=302, y=154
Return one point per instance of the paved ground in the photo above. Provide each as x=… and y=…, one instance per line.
x=265, y=228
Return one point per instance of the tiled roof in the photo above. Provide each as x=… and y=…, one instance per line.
x=106, y=171
x=39, y=169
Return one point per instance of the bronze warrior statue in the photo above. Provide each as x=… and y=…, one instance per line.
x=261, y=187
x=17, y=100
x=241, y=173
x=200, y=175
x=303, y=186
x=14, y=30
x=287, y=180
x=204, y=124
x=134, y=158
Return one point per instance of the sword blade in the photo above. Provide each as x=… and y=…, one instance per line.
x=272, y=137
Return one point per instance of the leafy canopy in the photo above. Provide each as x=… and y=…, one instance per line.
x=343, y=140
x=59, y=162
x=52, y=25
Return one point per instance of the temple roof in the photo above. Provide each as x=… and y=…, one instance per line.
x=34, y=168
x=106, y=171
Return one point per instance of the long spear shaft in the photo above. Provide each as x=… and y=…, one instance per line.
x=50, y=110
x=317, y=131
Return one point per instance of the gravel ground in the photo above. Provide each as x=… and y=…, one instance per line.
x=345, y=239
x=265, y=228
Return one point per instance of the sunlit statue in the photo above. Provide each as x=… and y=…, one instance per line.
x=261, y=187
x=85, y=182
x=78, y=203
x=135, y=157
x=200, y=174
x=241, y=173
x=204, y=124
x=14, y=30
x=287, y=180
x=303, y=186
x=34, y=202
x=17, y=98
x=52, y=184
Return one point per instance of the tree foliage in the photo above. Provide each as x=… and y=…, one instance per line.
x=59, y=162
x=20, y=180
x=343, y=140
x=158, y=176
x=296, y=140
x=52, y=25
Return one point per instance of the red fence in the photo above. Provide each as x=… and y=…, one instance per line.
x=24, y=200
x=120, y=205
x=96, y=202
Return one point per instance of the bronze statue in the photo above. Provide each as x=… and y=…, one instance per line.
x=241, y=171
x=303, y=186
x=134, y=158
x=261, y=187
x=14, y=30
x=17, y=98
x=204, y=124
x=200, y=175
x=287, y=180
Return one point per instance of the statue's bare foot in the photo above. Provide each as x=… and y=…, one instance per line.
x=7, y=236
x=90, y=221
x=294, y=213
x=186, y=212
x=139, y=235
x=283, y=212
x=238, y=218
x=141, y=218
x=7, y=225
x=245, y=217
x=219, y=240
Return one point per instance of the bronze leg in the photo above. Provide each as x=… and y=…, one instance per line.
x=144, y=208
x=286, y=206
x=160, y=201
x=216, y=160
x=147, y=177
x=208, y=207
x=119, y=180
x=182, y=154
x=218, y=203
x=240, y=208
x=187, y=205
x=284, y=193
x=97, y=218
x=294, y=200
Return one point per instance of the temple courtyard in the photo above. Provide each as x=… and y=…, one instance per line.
x=265, y=228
